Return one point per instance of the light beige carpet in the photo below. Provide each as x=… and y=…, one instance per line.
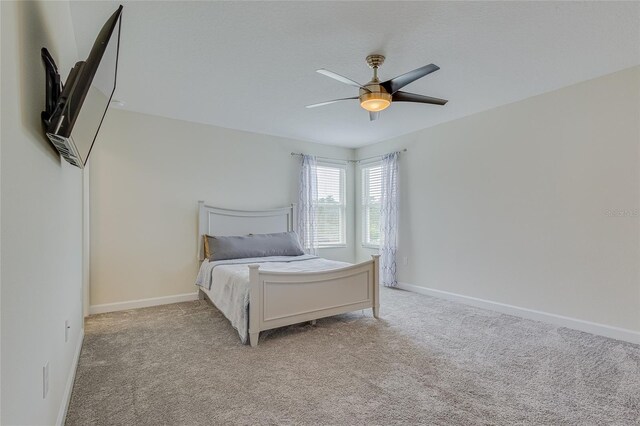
x=427, y=361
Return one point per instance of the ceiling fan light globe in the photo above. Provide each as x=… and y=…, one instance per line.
x=375, y=105
x=376, y=101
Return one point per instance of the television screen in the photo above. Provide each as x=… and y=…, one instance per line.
x=84, y=100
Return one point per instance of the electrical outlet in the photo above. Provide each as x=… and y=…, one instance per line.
x=405, y=260
x=45, y=380
x=67, y=327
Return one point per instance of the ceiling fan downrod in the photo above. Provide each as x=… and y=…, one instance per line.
x=375, y=62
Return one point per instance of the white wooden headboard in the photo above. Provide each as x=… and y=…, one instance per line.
x=223, y=222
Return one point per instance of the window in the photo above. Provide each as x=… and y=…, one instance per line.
x=371, y=194
x=331, y=213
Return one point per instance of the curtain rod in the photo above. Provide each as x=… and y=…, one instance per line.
x=326, y=158
x=379, y=156
x=350, y=161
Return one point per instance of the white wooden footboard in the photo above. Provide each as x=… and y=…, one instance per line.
x=278, y=299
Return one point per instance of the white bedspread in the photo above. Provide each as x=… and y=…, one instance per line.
x=227, y=282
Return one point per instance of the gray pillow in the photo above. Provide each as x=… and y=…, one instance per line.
x=254, y=245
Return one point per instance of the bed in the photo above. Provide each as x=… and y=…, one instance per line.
x=258, y=294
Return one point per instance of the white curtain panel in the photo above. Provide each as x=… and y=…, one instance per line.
x=307, y=228
x=389, y=220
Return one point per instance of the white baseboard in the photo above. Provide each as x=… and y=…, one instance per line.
x=141, y=303
x=66, y=396
x=574, y=323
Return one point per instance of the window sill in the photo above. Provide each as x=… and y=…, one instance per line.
x=332, y=246
x=369, y=246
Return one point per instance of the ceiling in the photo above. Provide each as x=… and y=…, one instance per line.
x=251, y=65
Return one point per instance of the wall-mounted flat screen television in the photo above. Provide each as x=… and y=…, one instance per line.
x=75, y=111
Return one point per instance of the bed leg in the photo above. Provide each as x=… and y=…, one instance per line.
x=255, y=304
x=376, y=286
x=200, y=294
x=253, y=339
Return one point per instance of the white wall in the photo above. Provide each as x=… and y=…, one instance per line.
x=512, y=204
x=41, y=221
x=147, y=175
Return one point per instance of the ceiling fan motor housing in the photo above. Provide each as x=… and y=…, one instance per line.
x=374, y=97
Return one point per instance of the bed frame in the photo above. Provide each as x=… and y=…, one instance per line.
x=277, y=299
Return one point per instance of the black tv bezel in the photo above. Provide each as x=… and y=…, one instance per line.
x=75, y=90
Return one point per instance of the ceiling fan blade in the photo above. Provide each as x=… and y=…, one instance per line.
x=412, y=97
x=373, y=115
x=330, y=102
x=397, y=83
x=340, y=78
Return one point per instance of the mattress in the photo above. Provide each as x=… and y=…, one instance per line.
x=226, y=282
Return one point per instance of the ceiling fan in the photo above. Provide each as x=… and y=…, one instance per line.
x=376, y=96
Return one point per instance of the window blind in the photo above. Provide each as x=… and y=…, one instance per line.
x=330, y=217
